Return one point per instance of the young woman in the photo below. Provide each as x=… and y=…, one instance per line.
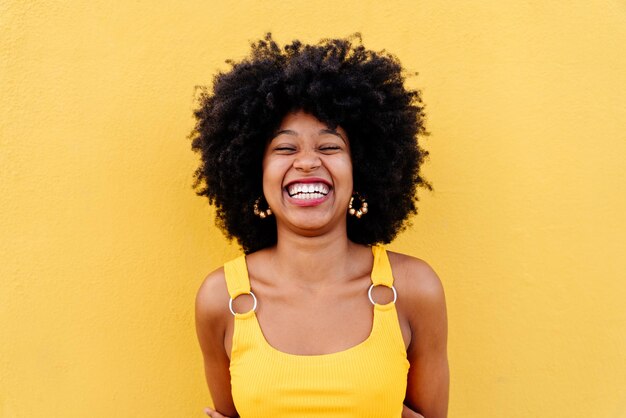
x=310, y=155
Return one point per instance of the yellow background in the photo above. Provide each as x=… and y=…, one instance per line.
x=103, y=242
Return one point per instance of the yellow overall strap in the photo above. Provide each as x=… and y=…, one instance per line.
x=237, y=279
x=381, y=271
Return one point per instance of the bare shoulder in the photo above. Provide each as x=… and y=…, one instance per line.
x=212, y=322
x=212, y=301
x=415, y=279
x=421, y=304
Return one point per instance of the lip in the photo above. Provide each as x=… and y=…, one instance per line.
x=308, y=202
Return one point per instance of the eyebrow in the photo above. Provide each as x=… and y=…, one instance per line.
x=321, y=131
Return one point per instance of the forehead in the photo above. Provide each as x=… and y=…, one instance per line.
x=301, y=118
x=301, y=122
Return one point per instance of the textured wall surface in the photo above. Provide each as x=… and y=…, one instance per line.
x=103, y=242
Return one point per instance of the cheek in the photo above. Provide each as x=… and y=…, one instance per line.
x=346, y=168
x=273, y=172
x=341, y=170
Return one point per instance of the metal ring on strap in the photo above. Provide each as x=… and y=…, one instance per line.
x=369, y=293
x=230, y=303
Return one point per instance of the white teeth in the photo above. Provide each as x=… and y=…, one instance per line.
x=308, y=196
x=308, y=191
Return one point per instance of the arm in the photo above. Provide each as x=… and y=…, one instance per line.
x=423, y=303
x=212, y=316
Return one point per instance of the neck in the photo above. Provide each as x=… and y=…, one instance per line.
x=314, y=261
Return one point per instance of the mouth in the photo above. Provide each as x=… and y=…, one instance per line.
x=307, y=191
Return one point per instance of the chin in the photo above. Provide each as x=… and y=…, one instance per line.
x=314, y=225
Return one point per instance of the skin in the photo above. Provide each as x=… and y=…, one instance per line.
x=307, y=307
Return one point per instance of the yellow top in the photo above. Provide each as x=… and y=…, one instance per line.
x=366, y=380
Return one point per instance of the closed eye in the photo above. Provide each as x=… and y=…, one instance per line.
x=284, y=149
x=330, y=148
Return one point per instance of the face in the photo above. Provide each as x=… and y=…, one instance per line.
x=307, y=175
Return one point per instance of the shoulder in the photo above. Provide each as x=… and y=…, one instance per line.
x=415, y=279
x=212, y=301
x=421, y=302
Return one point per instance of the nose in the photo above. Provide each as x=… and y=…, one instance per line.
x=307, y=160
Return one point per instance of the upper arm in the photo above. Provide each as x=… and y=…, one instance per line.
x=212, y=316
x=423, y=303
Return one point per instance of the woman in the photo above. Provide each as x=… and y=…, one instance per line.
x=310, y=155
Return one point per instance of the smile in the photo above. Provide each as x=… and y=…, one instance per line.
x=307, y=191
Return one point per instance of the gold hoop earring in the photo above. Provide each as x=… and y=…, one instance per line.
x=360, y=211
x=261, y=213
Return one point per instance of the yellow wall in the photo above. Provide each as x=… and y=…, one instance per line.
x=103, y=242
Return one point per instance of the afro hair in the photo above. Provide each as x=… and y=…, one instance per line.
x=341, y=83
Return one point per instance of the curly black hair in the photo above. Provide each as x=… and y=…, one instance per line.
x=341, y=83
